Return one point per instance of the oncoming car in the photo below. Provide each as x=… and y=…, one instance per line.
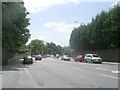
x=66, y=58
x=92, y=58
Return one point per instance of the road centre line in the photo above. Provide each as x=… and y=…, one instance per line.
x=109, y=76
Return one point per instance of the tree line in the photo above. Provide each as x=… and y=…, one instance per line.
x=101, y=33
x=14, y=28
x=40, y=47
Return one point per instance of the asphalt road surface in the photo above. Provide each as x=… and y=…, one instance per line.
x=54, y=73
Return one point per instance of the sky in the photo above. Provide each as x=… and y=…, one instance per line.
x=54, y=20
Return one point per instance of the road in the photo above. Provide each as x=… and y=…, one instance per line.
x=54, y=73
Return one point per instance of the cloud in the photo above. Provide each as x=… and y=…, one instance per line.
x=41, y=5
x=48, y=36
x=61, y=27
x=58, y=33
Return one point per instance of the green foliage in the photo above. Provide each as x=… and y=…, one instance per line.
x=68, y=51
x=37, y=46
x=52, y=48
x=14, y=23
x=102, y=33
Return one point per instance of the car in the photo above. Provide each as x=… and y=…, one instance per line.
x=66, y=58
x=27, y=60
x=79, y=58
x=92, y=58
x=38, y=57
x=52, y=56
x=57, y=55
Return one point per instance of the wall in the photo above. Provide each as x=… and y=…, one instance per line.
x=5, y=56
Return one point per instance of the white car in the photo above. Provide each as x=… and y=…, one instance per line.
x=92, y=58
x=66, y=58
x=38, y=57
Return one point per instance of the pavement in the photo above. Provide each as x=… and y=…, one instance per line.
x=54, y=73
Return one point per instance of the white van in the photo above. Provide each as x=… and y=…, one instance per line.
x=92, y=58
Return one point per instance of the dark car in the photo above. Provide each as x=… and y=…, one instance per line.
x=28, y=60
x=79, y=58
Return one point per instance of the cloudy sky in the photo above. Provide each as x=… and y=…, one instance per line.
x=54, y=20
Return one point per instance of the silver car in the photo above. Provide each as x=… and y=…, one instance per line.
x=66, y=58
x=92, y=58
x=38, y=57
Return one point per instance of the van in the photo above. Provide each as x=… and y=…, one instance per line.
x=92, y=58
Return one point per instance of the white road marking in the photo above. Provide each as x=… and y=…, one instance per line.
x=27, y=72
x=103, y=69
x=109, y=76
x=113, y=71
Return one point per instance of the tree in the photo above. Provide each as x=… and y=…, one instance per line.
x=112, y=28
x=53, y=48
x=37, y=46
x=101, y=33
x=14, y=26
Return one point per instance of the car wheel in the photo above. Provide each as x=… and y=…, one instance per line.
x=85, y=61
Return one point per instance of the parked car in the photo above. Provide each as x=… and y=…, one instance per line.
x=92, y=58
x=28, y=60
x=79, y=58
x=65, y=58
x=38, y=57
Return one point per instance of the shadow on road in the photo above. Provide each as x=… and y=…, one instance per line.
x=15, y=65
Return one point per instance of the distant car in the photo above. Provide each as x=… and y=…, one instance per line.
x=79, y=58
x=92, y=58
x=38, y=57
x=52, y=56
x=57, y=55
x=28, y=60
x=66, y=58
x=33, y=55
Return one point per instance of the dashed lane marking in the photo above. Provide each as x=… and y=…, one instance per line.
x=113, y=71
x=104, y=69
x=109, y=76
